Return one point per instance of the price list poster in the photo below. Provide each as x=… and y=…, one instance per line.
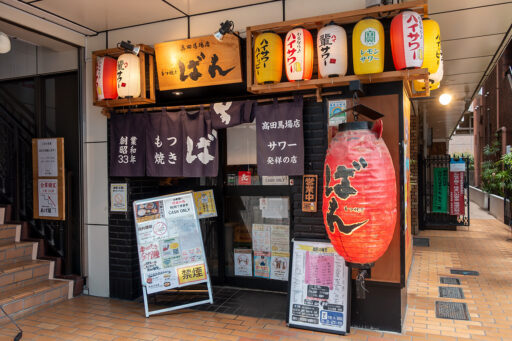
x=318, y=288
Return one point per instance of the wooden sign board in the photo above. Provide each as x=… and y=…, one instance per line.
x=309, y=193
x=197, y=62
x=48, y=178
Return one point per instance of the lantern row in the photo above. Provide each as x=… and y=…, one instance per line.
x=415, y=43
x=118, y=78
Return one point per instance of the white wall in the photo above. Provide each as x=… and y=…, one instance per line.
x=26, y=60
x=95, y=183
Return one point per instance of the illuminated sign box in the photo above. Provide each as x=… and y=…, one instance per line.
x=198, y=62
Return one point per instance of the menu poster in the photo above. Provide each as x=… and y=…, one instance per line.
x=169, y=242
x=205, y=204
x=319, y=285
x=118, y=197
x=261, y=237
x=279, y=264
x=261, y=264
x=280, y=238
x=47, y=162
x=243, y=262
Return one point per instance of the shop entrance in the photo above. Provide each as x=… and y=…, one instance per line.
x=256, y=237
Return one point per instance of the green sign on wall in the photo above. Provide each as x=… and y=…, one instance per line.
x=440, y=190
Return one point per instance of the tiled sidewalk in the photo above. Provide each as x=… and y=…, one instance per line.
x=483, y=247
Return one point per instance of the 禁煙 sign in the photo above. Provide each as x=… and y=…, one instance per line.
x=197, y=62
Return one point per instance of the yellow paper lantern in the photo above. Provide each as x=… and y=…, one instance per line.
x=368, y=47
x=268, y=58
x=432, y=53
x=434, y=78
x=128, y=75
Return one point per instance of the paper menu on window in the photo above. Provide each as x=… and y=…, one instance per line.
x=280, y=238
x=274, y=208
x=261, y=237
x=279, y=264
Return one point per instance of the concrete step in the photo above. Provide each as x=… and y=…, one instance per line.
x=19, y=302
x=16, y=252
x=9, y=233
x=24, y=273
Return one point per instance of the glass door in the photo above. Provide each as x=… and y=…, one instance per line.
x=256, y=238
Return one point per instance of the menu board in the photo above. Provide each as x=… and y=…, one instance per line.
x=318, y=288
x=169, y=242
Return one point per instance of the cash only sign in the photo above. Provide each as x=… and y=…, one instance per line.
x=170, y=246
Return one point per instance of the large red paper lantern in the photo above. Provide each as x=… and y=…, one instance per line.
x=106, y=81
x=298, y=54
x=406, y=34
x=359, y=201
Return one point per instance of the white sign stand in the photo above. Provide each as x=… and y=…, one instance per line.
x=170, y=247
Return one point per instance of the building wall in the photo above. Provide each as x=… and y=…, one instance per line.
x=96, y=175
x=461, y=144
x=493, y=111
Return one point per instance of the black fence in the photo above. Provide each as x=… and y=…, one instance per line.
x=430, y=216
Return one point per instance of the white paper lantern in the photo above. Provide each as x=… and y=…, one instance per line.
x=128, y=75
x=5, y=43
x=331, y=45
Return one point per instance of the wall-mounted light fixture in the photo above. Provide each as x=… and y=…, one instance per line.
x=225, y=27
x=5, y=43
x=445, y=99
x=129, y=47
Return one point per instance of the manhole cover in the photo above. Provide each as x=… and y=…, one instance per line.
x=421, y=241
x=464, y=272
x=450, y=280
x=452, y=310
x=451, y=292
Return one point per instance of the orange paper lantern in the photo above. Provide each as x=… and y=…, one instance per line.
x=106, y=82
x=406, y=34
x=299, y=54
x=359, y=201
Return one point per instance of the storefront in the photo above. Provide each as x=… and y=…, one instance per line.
x=254, y=149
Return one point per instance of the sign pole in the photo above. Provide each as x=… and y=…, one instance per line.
x=145, y=294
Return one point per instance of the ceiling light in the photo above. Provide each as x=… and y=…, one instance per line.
x=5, y=43
x=462, y=119
x=177, y=93
x=445, y=99
x=225, y=27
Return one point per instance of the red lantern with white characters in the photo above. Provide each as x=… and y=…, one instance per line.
x=298, y=54
x=359, y=200
x=106, y=83
x=128, y=75
x=407, y=40
x=331, y=45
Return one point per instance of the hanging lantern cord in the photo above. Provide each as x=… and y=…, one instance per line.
x=360, y=284
x=355, y=100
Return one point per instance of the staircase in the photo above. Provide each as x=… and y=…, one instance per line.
x=27, y=284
